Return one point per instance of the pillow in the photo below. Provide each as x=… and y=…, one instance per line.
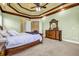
x=34, y=32
x=12, y=32
x=4, y=33
x=2, y=39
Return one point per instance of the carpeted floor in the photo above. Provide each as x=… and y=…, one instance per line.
x=51, y=48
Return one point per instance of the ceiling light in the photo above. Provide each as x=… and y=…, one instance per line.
x=38, y=8
x=62, y=9
x=44, y=17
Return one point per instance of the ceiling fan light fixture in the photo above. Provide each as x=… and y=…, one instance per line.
x=38, y=9
x=44, y=17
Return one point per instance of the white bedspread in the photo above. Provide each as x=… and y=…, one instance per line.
x=21, y=39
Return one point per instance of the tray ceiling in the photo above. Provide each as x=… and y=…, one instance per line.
x=27, y=9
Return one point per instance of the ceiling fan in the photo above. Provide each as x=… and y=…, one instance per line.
x=38, y=5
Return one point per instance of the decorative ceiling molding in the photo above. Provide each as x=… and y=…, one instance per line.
x=29, y=9
x=12, y=13
x=50, y=13
x=19, y=11
x=15, y=14
x=53, y=8
x=34, y=15
x=65, y=8
x=26, y=8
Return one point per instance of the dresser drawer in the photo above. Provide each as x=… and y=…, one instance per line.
x=53, y=34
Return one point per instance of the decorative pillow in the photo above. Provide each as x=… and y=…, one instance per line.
x=2, y=39
x=12, y=32
x=4, y=33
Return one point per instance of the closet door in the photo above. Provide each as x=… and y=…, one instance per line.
x=35, y=26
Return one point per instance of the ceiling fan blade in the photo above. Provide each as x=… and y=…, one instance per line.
x=45, y=4
x=37, y=5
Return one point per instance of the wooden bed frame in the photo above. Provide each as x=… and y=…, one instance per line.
x=18, y=49
x=11, y=51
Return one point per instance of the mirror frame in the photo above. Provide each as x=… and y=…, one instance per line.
x=53, y=21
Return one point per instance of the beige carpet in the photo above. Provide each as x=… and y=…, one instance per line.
x=52, y=48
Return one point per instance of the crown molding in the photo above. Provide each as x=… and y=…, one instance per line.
x=51, y=13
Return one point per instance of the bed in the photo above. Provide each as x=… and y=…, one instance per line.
x=17, y=43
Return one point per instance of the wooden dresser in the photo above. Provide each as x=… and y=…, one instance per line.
x=54, y=34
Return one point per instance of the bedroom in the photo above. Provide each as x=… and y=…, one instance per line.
x=15, y=17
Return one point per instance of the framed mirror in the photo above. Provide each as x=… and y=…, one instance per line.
x=53, y=24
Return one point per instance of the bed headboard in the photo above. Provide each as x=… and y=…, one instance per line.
x=1, y=28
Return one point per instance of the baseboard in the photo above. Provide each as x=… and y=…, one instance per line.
x=71, y=41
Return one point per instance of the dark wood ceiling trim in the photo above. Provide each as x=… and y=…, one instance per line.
x=12, y=13
x=0, y=8
x=29, y=9
x=73, y=5
x=16, y=14
x=45, y=4
x=53, y=8
x=36, y=15
x=59, y=10
x=26, y=8
x=19, y=11
x=21, y=15
x=67, y=7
